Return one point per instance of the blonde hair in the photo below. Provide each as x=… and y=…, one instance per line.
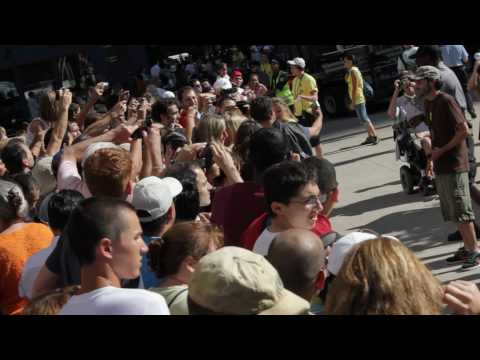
x=383, y=277
x=50, y=303
x=233, y=120
x=280, y=102
x=210, y=128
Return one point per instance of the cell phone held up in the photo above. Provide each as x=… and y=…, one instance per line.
x=205, y=157
x=137, y=134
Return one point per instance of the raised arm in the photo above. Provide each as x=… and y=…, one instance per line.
x=61, y=124
x=94, y=94
x=392, y=108
x=120, y=135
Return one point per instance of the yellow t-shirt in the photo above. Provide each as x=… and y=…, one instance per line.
x=359, y=97
x=303, y=86
x=267, y=69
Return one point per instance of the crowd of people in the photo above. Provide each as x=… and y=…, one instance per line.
x=203, y=195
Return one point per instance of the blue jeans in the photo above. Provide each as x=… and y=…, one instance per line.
x=361, y=110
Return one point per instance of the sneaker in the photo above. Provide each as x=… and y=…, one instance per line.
x=460, y=256
x=371, y=140
x=472, y=262
x=430, y=191
x=473, y=115
x=456, y=236
x=367, y=141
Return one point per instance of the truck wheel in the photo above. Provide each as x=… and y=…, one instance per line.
x=330, y=105
x=407, y=180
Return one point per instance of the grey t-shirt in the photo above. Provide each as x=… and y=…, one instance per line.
x=451, y=85
x=176, y=298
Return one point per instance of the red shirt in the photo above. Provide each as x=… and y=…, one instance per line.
x=182, y=120
x=235, y=207
x=249, y=238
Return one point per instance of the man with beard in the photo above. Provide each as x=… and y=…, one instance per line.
x=449, y=130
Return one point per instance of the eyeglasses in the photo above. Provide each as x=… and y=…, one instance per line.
x=312, y=201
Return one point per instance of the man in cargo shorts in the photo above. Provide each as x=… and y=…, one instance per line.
x=449, y=129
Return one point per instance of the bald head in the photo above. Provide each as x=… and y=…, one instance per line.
x=299, y=257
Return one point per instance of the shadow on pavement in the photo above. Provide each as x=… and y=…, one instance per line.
x=346, y=162
x=327, y=140
x=385, y=201
x=378, y=186
x=426, y=228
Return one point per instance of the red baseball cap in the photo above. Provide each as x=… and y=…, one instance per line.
x=237, y=73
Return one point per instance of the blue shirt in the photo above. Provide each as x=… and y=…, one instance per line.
x=453, y=55
x=148, y=277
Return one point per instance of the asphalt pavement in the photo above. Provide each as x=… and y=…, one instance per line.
x=371, y=195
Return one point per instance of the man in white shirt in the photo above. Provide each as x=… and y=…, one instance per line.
x=106, y=236
x=223, y=80
x=59, y=205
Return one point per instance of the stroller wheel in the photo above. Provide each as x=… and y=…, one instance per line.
x=407, y=180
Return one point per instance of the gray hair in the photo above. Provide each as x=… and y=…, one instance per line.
x=13, y=204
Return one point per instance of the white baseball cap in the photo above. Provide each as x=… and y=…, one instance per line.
x=298, y=62
x=155, y=196
x=343, y=246
x=168, y=95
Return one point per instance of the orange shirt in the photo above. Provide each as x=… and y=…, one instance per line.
x=15, y=249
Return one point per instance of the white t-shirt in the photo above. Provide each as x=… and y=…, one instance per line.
x=408, y=108
x=32, y=268
x=116, y=301
x=262, y=245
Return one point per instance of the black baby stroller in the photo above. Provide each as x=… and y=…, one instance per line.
x=409, y=151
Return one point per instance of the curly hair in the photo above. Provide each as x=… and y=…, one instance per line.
x=383, y=277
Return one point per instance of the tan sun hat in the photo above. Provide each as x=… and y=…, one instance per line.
x=236, y=281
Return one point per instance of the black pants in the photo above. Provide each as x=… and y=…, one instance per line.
x=463, y=78
x=307, y=120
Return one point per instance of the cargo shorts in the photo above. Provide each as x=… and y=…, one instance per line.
x=455, y=200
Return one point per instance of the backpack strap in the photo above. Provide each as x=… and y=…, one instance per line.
x=176, y=296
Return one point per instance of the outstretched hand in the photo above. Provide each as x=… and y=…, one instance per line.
x=463, y=297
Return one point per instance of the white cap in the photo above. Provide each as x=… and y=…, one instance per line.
x=155, y=196
x=168, y=95
x=342, y=247
x=92, y=148
x=297, y=62
x=222, y=84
